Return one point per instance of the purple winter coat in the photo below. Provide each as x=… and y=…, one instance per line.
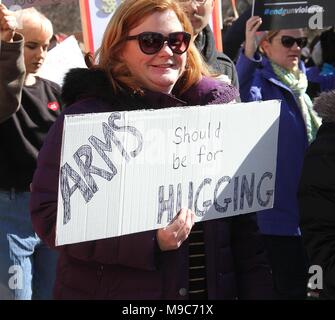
x=132, y=266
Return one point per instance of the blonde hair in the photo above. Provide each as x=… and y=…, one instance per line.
x=30, y=17
x=128, y=15
x=268, y=37
x=271, y=34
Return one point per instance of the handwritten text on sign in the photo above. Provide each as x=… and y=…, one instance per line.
x=126, y=172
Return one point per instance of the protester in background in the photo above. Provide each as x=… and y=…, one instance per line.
x=199, y=12
x=148, y=60
x=9, y=74
x=322, y=75
x=279, y=74
x=28, y=107
x=317, y=196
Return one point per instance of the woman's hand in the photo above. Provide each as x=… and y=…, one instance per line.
x=8, y=24
x=251, y=28
x=172, y=236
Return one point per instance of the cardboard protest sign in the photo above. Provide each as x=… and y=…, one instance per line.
x=17, y=4
x=61, y=59
x=127, y=172
x=291, y=14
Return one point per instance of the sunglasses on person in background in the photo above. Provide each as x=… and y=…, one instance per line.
x=153, y=42
x=288, y=41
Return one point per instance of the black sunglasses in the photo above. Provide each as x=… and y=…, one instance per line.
x=153, y=42
x=288, y=41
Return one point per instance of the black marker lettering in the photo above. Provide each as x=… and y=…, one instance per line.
x=111, y=121
x=165, y=205
x=67, y=172
x=87, y=169
x=217, y=206
x=269, y=193
x=247, y=191
x=206, y=204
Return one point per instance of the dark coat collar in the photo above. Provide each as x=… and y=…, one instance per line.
x=81, y=83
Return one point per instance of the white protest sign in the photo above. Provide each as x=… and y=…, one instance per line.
x=127, y=172
x=61, y=59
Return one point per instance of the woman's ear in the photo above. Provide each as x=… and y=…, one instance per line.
x=265, y=47
x=121, y=54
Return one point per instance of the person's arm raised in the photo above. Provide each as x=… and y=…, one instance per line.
x=251, y=28
x=11, y=65
x=8, y=24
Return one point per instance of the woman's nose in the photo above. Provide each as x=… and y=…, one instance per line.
x=166, y=49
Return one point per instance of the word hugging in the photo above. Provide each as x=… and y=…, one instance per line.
x=227, y=194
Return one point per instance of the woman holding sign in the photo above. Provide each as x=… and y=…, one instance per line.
x=279, y=73
x=148, y=60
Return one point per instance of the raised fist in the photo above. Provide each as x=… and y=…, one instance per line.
x=8, y=24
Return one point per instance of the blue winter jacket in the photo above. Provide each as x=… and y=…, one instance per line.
x=325, y=81
x=259, y=82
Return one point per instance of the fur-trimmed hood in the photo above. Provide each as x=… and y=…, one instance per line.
x=324, y=105
x=80, y=83
x=85, y=83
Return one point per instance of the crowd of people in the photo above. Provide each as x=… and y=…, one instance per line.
x=161, y=54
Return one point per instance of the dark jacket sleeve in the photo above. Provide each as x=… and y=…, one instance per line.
x=235, y=35
x=210, y=91
x=253, y=274
x=317, y=209
x=11, y=76
x=137, y=250
x=229, y=68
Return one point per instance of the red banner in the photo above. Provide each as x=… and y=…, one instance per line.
x=217, y=24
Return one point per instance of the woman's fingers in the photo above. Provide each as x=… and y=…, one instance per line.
x=184, y=232
x=253, y=23
x=179, y=220
x=8, y=24
x=172, y=236
x=251, y=28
